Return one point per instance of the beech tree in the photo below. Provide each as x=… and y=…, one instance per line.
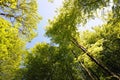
x=76, y=55
x=10, y=50
x=49, y=62
x=101, y=44
x=63, y=31
x=22, y=13
x=18, y=22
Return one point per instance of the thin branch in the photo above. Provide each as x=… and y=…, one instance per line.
x=8, y=15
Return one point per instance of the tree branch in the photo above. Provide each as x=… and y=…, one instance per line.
x=7, y=15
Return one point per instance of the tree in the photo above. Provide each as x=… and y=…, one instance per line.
x=63, y=30
x=105, y=46
x=18, y=24
x=51, y=63
x=22, y=13
x=10, y=50
x=76, y=55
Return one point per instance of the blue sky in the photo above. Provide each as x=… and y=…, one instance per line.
x=47, y=11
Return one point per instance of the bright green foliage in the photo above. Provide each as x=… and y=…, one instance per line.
x=103, y=43
x=22, y=13
x=10, y=50
x=8, y=3
x=73, y=12
x=18, y=22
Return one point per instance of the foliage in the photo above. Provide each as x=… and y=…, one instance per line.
x=22, y=13
x=103, y=44
x=49, y=62
x=18, y=24
x=88, y=55
x=10, y=50
x=100, y=43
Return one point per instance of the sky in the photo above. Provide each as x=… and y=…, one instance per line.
x=47, y=11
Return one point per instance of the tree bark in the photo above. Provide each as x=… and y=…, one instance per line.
x=88, y=72
x=75, y=42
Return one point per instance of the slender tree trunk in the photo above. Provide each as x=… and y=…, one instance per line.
x=75, y=42
x=88, y=72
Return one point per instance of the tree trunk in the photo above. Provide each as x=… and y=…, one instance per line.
x=88, y=72
x=75, y=42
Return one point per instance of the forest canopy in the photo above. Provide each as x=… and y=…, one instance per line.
x=72, y=54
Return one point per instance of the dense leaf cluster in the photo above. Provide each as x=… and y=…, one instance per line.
x=18, y=22
x=10, y=50
x=22, y=13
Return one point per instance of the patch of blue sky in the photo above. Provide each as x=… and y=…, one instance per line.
x=47, y=11
x=90, y=24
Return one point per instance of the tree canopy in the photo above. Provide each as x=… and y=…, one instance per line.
x=18, y=22
x=22, y=13
x=10, y=50
x=72, y=54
